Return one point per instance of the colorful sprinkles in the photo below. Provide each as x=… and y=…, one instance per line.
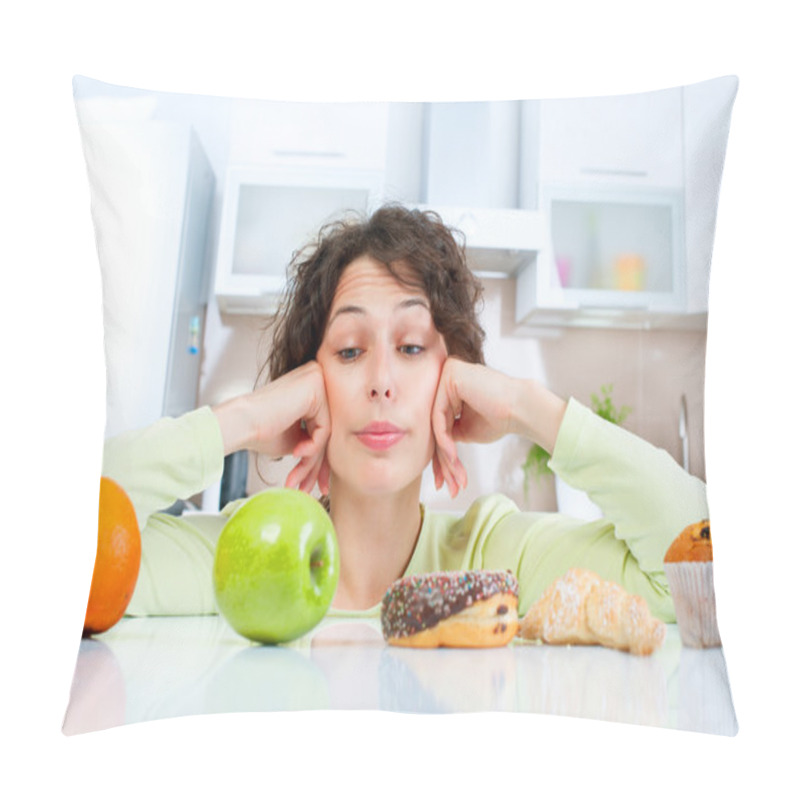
x=417, y=602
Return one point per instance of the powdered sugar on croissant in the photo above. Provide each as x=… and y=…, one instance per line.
x=582, y=608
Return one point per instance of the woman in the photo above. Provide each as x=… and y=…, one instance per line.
x=376, y=371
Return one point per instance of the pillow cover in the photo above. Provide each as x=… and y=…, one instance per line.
x=590, y=223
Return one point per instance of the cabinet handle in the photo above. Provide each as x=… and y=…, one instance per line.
x=628, y=173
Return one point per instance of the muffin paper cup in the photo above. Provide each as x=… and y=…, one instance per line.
x=692, y=588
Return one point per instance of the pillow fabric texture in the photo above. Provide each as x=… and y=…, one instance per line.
x=596, y=217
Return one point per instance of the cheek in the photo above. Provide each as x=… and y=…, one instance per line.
x=339, y=393
x=424, y=391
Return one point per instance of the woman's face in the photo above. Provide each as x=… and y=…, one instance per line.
x=381, y=357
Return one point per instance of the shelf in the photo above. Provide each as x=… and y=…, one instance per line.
x=500, y=241
x=613, y=318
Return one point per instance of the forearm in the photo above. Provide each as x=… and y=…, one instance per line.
x=537, y=414
x=639, y=487
x=235, y=425
x=169, y=460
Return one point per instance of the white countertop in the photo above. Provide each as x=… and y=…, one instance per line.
x=160, y=667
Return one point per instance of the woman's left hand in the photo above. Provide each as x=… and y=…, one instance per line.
x=474, y=403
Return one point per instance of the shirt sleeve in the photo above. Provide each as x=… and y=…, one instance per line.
x=170, y=460
x=646, y=498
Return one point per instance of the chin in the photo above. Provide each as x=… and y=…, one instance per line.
x=378, y=474
x=378, y=477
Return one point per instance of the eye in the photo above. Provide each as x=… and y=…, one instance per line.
x=349, y=353
x=411, y=349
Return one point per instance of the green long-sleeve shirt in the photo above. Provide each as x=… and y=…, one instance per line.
x=645, y=497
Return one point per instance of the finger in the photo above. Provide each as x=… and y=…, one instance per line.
x=298, y=477
x=323, y=478
x=313, y=451
x=320, y=433
x=438, y=478
x=445, y=438
x=447, y=476
x=452, y=485
x=452, y=482
x=453, y=470
x=460, y=473
x=295, y=477
x=310, y=481
x=314, y=441
x=442, y=419
x=442, y=416
x=304, y=448
x=458, y=476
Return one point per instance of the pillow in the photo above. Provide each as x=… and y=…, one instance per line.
x=589, y=221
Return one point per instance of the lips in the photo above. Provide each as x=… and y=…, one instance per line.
x=380, y=435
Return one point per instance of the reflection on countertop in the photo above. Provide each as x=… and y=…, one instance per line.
x=160, y=667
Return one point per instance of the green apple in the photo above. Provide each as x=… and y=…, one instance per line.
x=276, y=566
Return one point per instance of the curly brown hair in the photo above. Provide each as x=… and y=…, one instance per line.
x=415, y=246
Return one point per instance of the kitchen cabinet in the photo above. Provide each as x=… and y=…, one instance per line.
x=610, y=256
x=587, y=204
x=609, y=182
x=267, y=213
x=349, y=136
x=626, y=140
x=292, y=167
x=302, y=164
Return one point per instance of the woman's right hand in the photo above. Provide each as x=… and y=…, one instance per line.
x=288, y=416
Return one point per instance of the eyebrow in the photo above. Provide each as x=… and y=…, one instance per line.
x=408, y=303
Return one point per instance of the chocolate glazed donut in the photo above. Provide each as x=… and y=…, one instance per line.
x=451, y=609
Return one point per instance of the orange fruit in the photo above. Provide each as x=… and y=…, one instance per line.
x=116, y=567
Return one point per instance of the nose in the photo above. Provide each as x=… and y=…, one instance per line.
x=381, y=382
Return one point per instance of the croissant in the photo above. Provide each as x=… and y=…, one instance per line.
x=582, y=608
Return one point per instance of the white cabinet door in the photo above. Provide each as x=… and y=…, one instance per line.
x=291, y=168
x=626, y=140
x=610, y=185
x=328, y=135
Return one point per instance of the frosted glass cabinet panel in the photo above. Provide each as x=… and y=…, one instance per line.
x=613, y=250
x=611, y=246
x=274, y=221
x=267, y=214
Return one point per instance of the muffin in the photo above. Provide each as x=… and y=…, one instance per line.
x=689, y=566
